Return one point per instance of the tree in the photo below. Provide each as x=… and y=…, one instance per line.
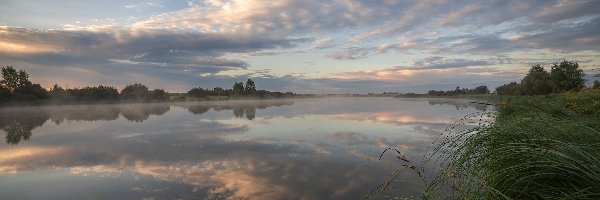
x=58, y=93
x=159, y=95
x=136, y=92
x=512, y=88
x=238, y=89
x=91, y=94
x=250, y=88
x=29, y=92
x=481, y=90
x=4, y=93
x=567, y=76
x=596, y=85
x=218, y=91
x=57, y=88
x=198, y=92
x=12, y=79
x=536, y=82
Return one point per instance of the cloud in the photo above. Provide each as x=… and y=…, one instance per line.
x=323, y=43
x=439, y=63
x=355, y=53
x=458, y=16
x=195, y=42
x=115, y=51
x=434, y=66
x=351, y=54
x=568, y=10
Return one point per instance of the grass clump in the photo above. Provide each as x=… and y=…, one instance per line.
x=540, y=147
x=522, y=147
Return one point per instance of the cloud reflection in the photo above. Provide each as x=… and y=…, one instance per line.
x=202, y=151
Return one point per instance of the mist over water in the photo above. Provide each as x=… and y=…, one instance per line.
x=322, y=148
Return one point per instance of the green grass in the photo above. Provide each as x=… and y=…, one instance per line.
x=538, y=147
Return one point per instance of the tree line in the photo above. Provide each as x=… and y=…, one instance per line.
x=15, y=86
x=563, y=77
x=239, y=90
x=458, y=91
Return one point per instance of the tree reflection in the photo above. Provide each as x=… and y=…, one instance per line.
x=15, y=132
x=250, y=113
x=142, y=112
x=238, y=112
x=459, y=105
x=18, y=123
x=198, y=109
x=239, y=109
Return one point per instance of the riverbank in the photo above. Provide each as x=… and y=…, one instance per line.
x=461, y=96
x=539, y=147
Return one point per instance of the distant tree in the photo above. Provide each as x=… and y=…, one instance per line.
x=136, y=92
x=536, y=82
x=93, y=94
x=238, y=89
x=57, y=88
x=198, y=92
x=159, y=95
x=58, y=93
x=481, y=90
x=218, y=91
x=28, y=92
x=458, y=91
x=512, y=88
x=566, y=76
x=250, y=88
x=4, y=94
x=12, y=79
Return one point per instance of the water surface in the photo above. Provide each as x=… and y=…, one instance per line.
x=322, y=148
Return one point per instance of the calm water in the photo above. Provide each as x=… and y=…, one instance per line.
x=285, y=149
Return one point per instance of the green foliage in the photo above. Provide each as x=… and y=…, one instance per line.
x=135, y=92
x=4, y=94
x=15, y=85
x=596, y=85
x=512, y=88
x=87, y=94
x=564, y=76
x=140, y=92
x=238, y=89
x=250, y=88
x=458, y=91
x=198, y=92
x=159, y=95
x=536, y=82
x=12, y=79
x=29, y=92
x=218, y=91
x=567, y=76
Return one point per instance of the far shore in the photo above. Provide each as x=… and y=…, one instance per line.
x=176, y=98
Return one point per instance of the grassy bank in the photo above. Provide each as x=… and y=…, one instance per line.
x=539, y=147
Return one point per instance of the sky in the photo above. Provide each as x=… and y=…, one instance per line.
x=304, y=46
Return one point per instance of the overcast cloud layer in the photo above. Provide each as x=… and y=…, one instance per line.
x=306, y=46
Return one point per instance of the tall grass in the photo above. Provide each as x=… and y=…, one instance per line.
x=542, y=147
